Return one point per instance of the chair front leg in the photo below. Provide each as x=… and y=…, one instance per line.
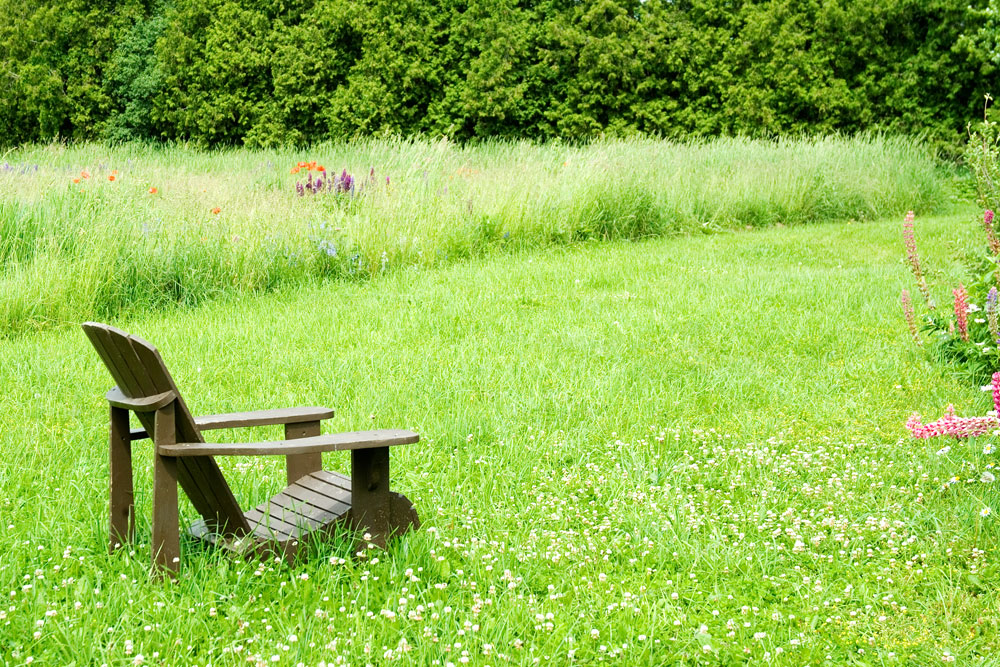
x=300, y=465
x=370, y=510
x=120, y=488
x=166, y=520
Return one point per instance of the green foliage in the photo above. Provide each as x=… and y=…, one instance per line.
x=133, y=81
x=982, y=154
x=53, y=62
x=230, y=72
x=971, y=343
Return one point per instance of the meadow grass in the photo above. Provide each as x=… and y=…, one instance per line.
x=102, y=248
x=673, y=451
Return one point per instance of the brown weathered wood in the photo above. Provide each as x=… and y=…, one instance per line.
x=254, y=418
x=145, y=404
x=300, y=465
x=302, y=415
x=201, y=478
x=404, y=514
x=311, y=504
x=120, y=488
x=321, y=443
x=166, y=546
x=334, y=479
x=370, y=510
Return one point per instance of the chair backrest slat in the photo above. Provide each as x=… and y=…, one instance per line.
x=139, y=371
x=120, y=369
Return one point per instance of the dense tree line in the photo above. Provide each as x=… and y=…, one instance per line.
x=261, y=72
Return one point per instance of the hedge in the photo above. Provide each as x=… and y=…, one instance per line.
x=260, y=73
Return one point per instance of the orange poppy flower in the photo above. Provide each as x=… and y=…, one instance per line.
x=76, y=180
x=321, y=168
x=295, y=170
x=111, y=177
x=84, y=174
x=216, y=210
x=153, y=191
x=300, y=165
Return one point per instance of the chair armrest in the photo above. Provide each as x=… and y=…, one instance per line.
x=263, y=418
x=145, y=404
x=253, y=418
x=320, y=443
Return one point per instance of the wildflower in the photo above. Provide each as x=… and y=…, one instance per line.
x=989, y=448
x=949, y=424
x=321, y=169
x=345, y=182
x=962, y=312
x=986, y=511
x=909, y=240
x=76, y=180
x=904, y=297
x=216, y=210
x=153, y=191
x=84, y=174
x=990, y=232
x=295, y=170
x=995, y=383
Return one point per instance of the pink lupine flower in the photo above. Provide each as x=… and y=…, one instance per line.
x=990, y=232
x=910, y=241
x=962, y=312
x=949, y=424
x=996, y=392
x=911, y=322
x=959, y=427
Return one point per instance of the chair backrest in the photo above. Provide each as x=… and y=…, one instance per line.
x=139, y=371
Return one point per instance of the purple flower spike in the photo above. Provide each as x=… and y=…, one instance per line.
x=301, y=190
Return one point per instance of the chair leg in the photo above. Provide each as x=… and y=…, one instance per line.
x=166, y=520
x=300, y=465
x=122, y=497
x=370, y=510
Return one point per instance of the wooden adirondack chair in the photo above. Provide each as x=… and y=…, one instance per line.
x=313, y=501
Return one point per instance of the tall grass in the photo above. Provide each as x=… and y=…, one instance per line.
x=95, y=248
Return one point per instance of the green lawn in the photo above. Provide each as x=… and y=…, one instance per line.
x=685, y=450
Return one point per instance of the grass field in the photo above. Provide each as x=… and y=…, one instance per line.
x=179, y=226
x=673, y=451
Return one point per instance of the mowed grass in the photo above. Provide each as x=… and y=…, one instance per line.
x=676, y=451
x=179, y=226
